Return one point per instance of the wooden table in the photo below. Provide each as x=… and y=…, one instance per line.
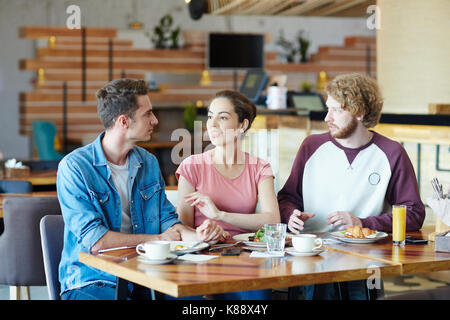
x=342, y=262
x=31, y=194
x=412, y=258
x=39, y=178
x=236, y=273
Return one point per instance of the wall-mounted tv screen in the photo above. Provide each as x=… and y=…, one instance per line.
x=235, y=51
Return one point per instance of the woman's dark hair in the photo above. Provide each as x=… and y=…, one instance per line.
x=119, y=97
x=244, y=108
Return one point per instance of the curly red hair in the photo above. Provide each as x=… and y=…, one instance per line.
x=359, y=94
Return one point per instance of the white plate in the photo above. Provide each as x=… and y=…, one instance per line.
x=244, y=238
x=187, y=247
x=315, y=252
x=340, y=236
x=169, y=259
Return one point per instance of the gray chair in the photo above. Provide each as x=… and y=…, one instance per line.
x=52, y=238
x=21, y=263
x=13, y=186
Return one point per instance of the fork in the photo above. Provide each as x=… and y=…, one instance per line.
x=437, y=188
x=197, y=244
x=225, y=246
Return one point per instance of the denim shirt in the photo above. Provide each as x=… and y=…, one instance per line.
x=91, y=206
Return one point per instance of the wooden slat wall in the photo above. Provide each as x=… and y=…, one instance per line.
x=62, y=63
x=44, y=32
x=337, y=8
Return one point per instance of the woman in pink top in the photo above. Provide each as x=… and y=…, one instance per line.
x=226, y=183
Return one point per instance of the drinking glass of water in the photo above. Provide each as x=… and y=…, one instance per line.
x=275, y=234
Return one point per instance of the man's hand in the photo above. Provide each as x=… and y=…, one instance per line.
x=171, y=234
x=209, y=231
x=344, y=219
x=297, y=220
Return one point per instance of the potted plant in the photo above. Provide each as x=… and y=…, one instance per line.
x=303, y=46
x=162, y=33
x=174, y=36
x=289, y=49
x=306, y=86
x=189, y=115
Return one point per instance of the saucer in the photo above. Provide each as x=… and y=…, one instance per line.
x=315, y=252
x=169, y=259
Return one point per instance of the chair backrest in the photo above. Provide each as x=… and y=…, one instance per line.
x=21, y=262
x=42, y=165
x=15, y=186
x=172, y=196
x=52, y=239
x=264, y=144
x=44, y=138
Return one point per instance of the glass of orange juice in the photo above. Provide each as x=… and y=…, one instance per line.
x=398, y=224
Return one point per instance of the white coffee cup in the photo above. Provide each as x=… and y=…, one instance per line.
x=306, y=242
x=154, y=250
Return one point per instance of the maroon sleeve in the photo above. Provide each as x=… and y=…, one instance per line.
x=402, y=189
x=290, y=197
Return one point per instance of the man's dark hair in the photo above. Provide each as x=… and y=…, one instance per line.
x=119, y=97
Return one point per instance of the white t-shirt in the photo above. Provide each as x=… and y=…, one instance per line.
x=120, y=178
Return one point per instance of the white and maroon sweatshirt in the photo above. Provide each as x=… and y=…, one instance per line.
x=327, y=177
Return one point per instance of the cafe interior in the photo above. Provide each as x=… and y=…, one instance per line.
x=55, y=55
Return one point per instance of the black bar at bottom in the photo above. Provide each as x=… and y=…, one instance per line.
x=293, y=293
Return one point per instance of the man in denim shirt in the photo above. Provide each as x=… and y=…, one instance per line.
x=112, y=193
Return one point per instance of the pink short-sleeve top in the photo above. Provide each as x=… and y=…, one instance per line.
x=237, y=195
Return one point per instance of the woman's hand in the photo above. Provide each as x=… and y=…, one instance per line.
x=209, y=231
x=204, y=204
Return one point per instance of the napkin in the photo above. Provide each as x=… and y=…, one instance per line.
x=196, y=257
x=441, y=207
x=12, y=163
x=265, y=254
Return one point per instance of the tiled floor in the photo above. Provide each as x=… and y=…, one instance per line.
x=392, y=286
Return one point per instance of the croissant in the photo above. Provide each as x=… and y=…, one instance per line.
x=368, y=232
x=358, y=232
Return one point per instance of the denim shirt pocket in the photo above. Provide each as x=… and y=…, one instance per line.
x=150, y=200
x=100, y=197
